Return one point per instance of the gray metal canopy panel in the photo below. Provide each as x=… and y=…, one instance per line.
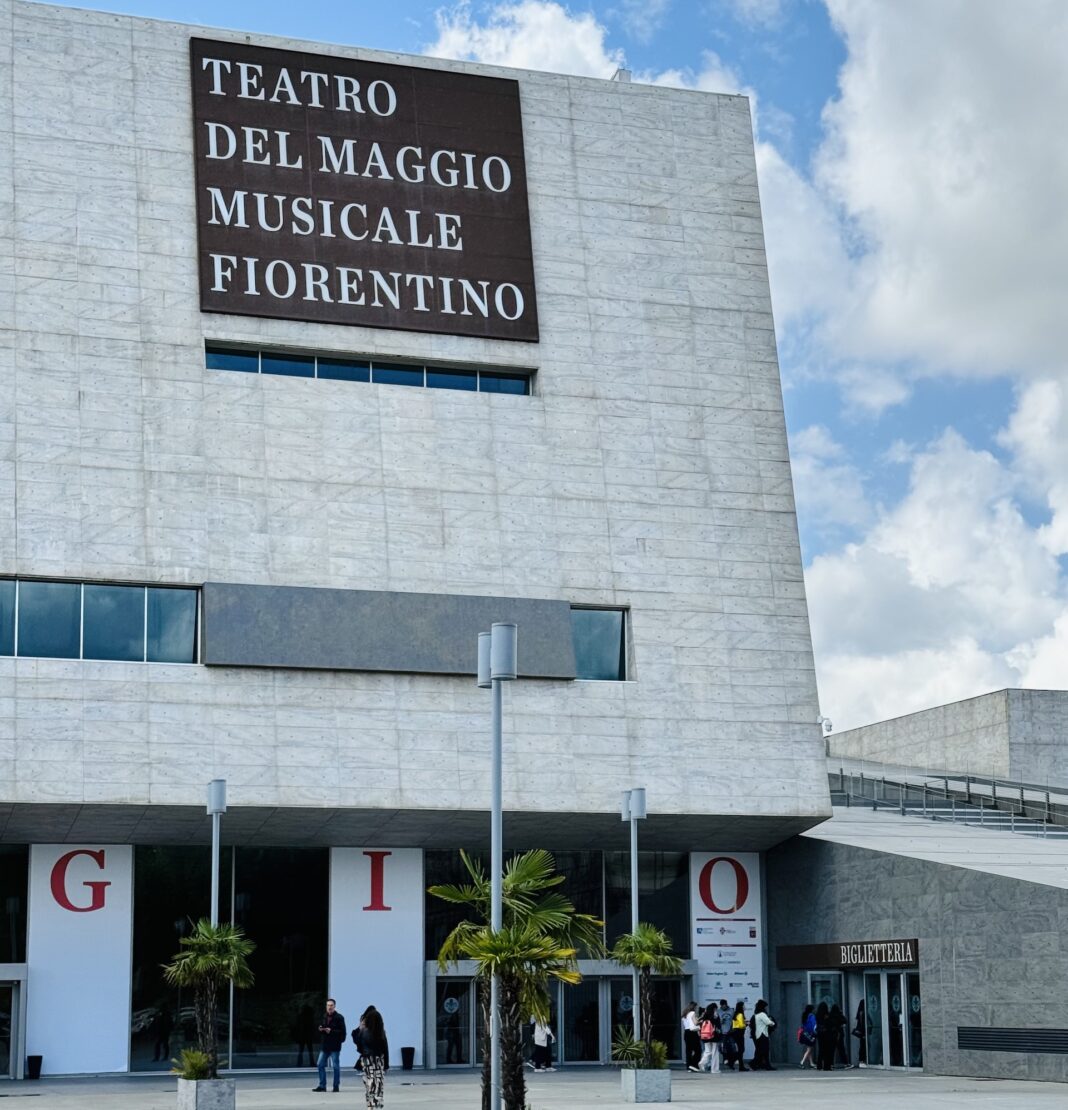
x=377, y=630
x=309, y=827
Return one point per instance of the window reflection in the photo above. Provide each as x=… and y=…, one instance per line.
x=50, y=619
x=114, y=619
x=7, y=616
x=271, y=1018
x=663, y=895
x=600, y=647
x=172, y=625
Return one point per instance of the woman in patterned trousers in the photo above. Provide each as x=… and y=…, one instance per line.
x=373, y=1047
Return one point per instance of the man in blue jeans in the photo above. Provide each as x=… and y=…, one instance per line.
x=332, y=1028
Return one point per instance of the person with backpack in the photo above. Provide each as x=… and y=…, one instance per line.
x=726, y=1037
x=709, y=1032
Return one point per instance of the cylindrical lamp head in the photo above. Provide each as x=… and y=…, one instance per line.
x=484, y=680
x=217, y=796
x=503, y=651
x=637, y=802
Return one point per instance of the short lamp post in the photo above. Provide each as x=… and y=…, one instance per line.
x=633, y=810
x=216, y=808
x=496, y=665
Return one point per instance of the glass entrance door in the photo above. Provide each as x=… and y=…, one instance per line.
x=580, y=1039
x=873, y=1019
x=893, y=1019
x=8, y=1025
x=453, y=1021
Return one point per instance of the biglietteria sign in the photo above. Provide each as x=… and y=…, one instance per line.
x=343, y=191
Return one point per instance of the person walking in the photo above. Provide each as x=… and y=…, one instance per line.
x=762, y=1027
x=806, y=1036
x=839, y=1022
x=726, y=1036
x=373, y=1048
x=691, y=1037
x=860, y=1031
x=708, y=1031
x=824, y=1038
x=738, y=1024
x=332, y=1030
x=543, y=1054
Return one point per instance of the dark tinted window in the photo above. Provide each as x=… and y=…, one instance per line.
x=344, y=370
x=502, y=383
x=276, y=1017
x=7, y=616
x=383, y=373
x=173, y=886
x=14, y=872
x=114, y=623
x=451, y=379
x=172, y=625
x=50, y=619
x=293, y=366
x=218, y=358
x=600, y=651
x=663, y=895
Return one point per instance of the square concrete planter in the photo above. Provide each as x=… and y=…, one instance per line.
x=207, y=1094
x=644, y=1085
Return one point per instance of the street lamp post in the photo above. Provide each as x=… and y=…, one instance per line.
x=496, y=664
x=216, y=808
x=633, y=810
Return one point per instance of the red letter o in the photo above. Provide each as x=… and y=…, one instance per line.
x=704, y=885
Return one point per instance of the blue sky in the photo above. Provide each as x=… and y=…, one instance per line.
x=912, y=178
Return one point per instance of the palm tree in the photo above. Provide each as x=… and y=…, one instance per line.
x=648, y=951
x=539, y=943
x=211, y=956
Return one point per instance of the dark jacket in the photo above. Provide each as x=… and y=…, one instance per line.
x=335, y=1038
x=366, y=1045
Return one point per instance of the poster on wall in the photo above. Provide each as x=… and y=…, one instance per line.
x=350, y=191
x=728, y=927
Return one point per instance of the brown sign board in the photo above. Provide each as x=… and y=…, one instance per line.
x=847, y=954
x=344, y=191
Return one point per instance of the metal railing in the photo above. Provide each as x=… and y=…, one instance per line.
x=964, y=799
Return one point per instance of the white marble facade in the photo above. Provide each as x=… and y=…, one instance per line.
x=649, y=470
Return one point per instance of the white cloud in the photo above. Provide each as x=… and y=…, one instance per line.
x=829, y=490
x=642, y=18
x=757, y=12
x=943, y=154
x=949, y=593
x=532, y=34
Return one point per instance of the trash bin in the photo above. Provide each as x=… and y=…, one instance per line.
x=407, y=1058
x=33, y=1067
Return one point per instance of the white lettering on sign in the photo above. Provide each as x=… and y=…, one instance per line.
x=342, y=190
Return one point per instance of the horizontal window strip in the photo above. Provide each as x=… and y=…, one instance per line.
x=1002, y=1039
x=63, y=619
x=334, y=367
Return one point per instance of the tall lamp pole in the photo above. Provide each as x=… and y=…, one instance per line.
x=496, y=664
x=216, y=808
x=633, y=810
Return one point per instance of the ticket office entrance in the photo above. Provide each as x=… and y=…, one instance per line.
x=885, y=1013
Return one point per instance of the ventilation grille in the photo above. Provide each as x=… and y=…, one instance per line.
x=1012, y=1040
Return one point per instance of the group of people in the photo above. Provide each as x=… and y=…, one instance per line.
x=370, y=1040
x=822, y=1036
x=714, y=1037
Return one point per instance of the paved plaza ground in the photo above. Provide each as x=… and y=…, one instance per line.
x=573, y=1089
